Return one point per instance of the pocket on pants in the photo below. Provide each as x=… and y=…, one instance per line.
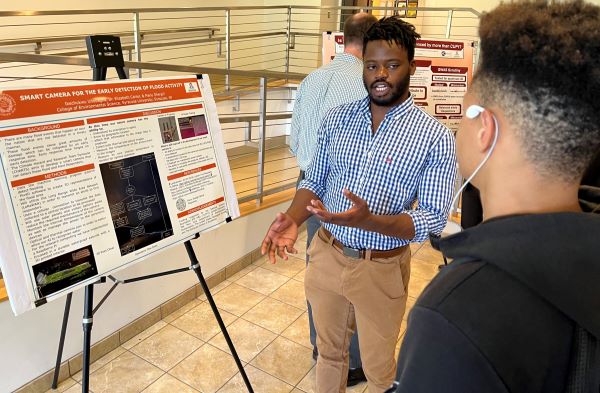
x=387, y=275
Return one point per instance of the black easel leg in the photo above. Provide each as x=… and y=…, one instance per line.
x=87, y=336
x=196, y=265
x=61, y=342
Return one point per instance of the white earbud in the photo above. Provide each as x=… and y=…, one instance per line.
x=471, y=113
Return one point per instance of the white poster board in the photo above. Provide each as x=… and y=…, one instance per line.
x=333, y=44
x=444, y=71
x=98, y=176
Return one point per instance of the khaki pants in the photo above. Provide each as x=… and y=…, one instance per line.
x=345, y=293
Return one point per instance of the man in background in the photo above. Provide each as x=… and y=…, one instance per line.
x=334, y=84
x=518, y=308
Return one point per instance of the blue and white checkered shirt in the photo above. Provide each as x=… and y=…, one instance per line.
x=339, y=82
x=410, y=158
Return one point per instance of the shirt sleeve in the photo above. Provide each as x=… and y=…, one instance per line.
x=315, y=177
x=435, y=189
x=436, y=357
x=295, y=128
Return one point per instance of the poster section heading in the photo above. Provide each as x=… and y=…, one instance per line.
x=443, y=73
x=96, y=177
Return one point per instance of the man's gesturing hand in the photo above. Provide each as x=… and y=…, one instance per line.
x=357, y=216
x=281, y=237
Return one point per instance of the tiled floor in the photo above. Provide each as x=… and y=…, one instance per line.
x=264, y=309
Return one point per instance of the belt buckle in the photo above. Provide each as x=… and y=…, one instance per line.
x=352, y=252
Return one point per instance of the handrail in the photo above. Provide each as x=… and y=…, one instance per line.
x=247, y=118
x=80, y=61
x=36, y=40
x=239, y=8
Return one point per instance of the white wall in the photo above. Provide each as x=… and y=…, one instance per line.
x=29, y=342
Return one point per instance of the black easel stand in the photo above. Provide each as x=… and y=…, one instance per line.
x=100, y=64
x=89, y=310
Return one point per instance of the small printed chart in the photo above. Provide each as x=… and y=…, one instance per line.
x=136, y=201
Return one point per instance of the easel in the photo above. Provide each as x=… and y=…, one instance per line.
x=104, y=52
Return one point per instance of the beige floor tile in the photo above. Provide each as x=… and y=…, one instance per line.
x=126, y=373
x=298, y=332
x=101, y=362
x=423, y=270
x=262, y=280
x=200, y=322
x=144, y=335
x=249, y=339
x=410, y=302
x=309, y=384
x=241, y=273
x=300, y=275
x=169, y=384
x=206, y=370
x=414, y=247
x=261, y=261
x=261, y=383
x=273, y=315
x=285, y=360
x=237, y=299
x=301, y=254
x=185, y=308
x=417, y=285
x=65, y=386
x=167, y=347
x=292, y=293
x=213, y=291
x=73, y=389
x=288, y=268
x=429, y=255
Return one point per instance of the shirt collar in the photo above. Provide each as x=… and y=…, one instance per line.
x=347, y=58
x=396, y=111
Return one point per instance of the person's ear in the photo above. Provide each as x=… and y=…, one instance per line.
x=412, y=66
x=487, y=132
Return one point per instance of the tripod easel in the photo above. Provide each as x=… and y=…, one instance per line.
x=96, y=49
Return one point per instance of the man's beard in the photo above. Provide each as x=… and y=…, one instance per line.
x=396, y=92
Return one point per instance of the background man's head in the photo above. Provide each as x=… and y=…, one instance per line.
x=355, y=27
x=539, y=72
x=388, y=56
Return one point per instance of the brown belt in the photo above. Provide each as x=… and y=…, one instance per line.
x=326, y=236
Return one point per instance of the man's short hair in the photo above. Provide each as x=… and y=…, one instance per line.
x=395, y=31
x=356, y=26
x=540, y=63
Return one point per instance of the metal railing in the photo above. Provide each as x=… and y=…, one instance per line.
x=255, y=57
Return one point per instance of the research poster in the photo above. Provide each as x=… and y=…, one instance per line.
x=333, y=44
x=98, y=176
x=444, y=70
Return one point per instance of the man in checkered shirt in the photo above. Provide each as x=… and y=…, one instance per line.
x=382, y=177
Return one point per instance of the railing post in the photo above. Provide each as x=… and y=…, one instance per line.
x=449, y=23
x=288, y=40
x=137, y=37
x=262, y=136
x=227, y=48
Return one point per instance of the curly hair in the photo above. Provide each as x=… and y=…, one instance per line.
x=540, y=63
x=395, y=31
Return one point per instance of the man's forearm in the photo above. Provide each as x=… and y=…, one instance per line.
x=400, y=225
x=297, y=209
